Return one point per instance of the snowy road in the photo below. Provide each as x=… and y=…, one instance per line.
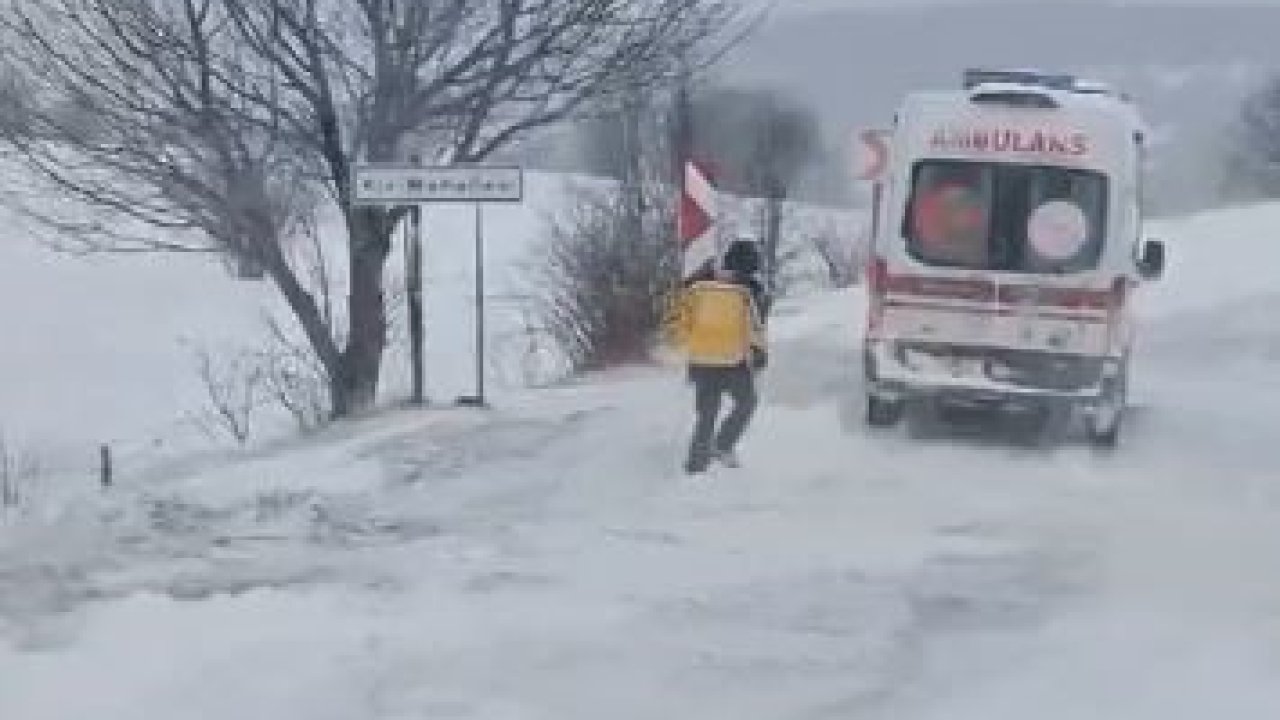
x=546, y=562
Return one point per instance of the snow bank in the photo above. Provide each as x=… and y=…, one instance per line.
x=1217, y=259
x=150, y=656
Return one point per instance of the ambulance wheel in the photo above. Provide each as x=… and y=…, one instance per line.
x=883, y=413
x=1104, y=423
x=1102, y=435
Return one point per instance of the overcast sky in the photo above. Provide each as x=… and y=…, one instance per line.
x=1188, y=62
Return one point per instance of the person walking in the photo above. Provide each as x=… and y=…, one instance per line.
x=722, y=318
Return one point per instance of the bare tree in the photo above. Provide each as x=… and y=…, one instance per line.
x=1253, y=159
x=760, y=141
x=604, y=289
x=176, y=156
x=246, y=386
x=233, y=384
x=293, y=380
x=610, y=264
x=228, y=119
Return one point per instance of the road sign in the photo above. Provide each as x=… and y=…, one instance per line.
x=873, y=154
x=382, y=184
x=695, y=220
x=697, y=204
x=394, y=184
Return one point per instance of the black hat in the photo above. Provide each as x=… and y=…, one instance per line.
x=742, y=256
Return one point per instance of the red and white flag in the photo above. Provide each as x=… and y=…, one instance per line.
x=695, y=223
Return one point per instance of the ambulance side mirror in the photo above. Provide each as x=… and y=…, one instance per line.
x=1151, y=263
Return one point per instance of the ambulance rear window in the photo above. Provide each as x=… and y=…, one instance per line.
x=1005, y=217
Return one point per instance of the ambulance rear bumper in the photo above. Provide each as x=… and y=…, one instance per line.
x=900, y=370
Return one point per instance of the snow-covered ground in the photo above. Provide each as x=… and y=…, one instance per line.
x=103, y=349
x=546, y=560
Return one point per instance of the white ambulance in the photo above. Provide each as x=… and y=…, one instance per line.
x=1006, y=248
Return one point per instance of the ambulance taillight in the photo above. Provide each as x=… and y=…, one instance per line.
x=1115, y=312
x=877, y=288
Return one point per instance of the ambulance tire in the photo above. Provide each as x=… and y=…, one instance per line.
x=1105, y=432
x=883, y=413
x=1104, y=437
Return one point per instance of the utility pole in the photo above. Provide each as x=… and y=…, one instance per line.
x=105, y=469
x=682, y=129
x=775, y=190
x=633, y=169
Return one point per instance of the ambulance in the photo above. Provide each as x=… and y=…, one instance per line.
x=1006, y=250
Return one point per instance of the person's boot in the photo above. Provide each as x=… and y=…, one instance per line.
x=728, y=458
x=697, y=463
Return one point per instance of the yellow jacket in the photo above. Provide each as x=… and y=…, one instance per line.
x=716, y=324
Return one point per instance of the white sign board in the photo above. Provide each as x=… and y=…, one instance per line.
x=386, y=184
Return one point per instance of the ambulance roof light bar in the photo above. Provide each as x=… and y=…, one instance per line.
x=973, y=77
x=1013, y=95
x=1094, y=87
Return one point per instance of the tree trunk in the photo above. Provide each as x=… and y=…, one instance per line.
x=354, y=371
x=355, y=385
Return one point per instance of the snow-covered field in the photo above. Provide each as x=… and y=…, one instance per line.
x=545, y=560
x=103, y=349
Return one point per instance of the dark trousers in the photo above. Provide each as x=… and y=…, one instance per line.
x=711, y=384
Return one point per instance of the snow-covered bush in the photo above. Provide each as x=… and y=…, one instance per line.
x=17, y=468
x=607, y=272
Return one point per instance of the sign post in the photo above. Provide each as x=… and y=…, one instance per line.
x=413, y=279
x=478, y=400
x=393, y=184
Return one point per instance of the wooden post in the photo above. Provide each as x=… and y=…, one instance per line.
x=7, y=492
x=8, y=481
x=105, y=470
